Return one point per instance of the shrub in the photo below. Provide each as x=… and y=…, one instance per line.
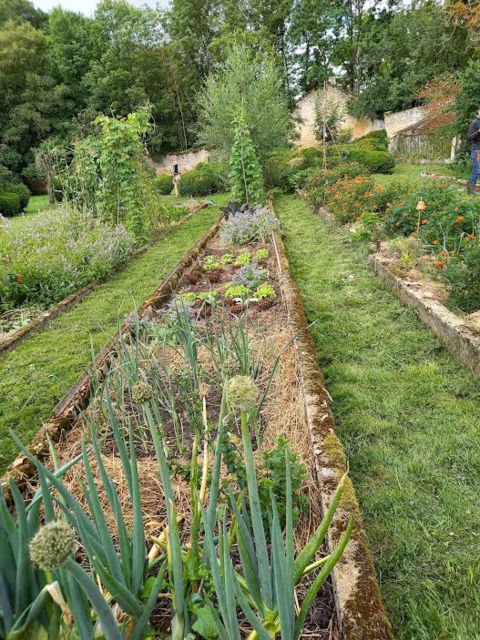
x=377, y=140
x=278, y=172
x=403, y=217
x=56, y=253
x=348, y=198
x=21, y=190
x=462, y=272
x=322, y=178
x=253, y=225
x=311, y=157
x=374, y=161
x=164, y=215
x=10, y=204
x=163, y=184
x=205, y=179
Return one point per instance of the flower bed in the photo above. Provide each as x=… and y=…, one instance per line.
x=433, y=228
x=176, y=485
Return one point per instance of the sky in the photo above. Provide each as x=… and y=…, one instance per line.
x=87, y=7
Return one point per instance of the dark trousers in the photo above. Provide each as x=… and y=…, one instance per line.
x=475, y=166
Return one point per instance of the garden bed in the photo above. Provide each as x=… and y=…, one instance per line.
x=25, y=321
x=260, y=333
x=460, y=334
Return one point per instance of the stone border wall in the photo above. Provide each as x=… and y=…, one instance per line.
x=359, y=605
x=453, y=331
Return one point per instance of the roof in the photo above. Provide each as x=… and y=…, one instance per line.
x=417, y=128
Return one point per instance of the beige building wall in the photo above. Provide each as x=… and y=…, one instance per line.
x=186, y=161
x=395, y=122
x=306, y=113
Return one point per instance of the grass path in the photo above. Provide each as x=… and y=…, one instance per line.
x=43, y=367
x=409, y=417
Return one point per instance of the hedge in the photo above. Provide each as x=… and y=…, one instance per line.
x=10, y=204
x=19, y=189
x=163, y=184
x=204, y=180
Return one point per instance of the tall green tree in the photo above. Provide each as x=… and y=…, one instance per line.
x=252, y=80
x=312, y=38
x=397, y=52
x=22, y=11
x=31, y=103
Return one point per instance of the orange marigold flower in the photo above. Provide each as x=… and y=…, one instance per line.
x=470, y=235
x=459, y=219
x=434, y=241
x=424, y=221
x=443, y=253
x=439, y=264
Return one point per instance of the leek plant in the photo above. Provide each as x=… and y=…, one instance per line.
x=264, y=589
x=27, y=597
x=126, y=594
x=184, y=562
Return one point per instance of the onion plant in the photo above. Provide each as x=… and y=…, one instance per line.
x=26, y=595
x=126, y=593
x=264, y=589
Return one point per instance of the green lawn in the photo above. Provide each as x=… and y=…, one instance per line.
x=44, y=366
x=409, y=418
x=37, y=203
x=411, y=173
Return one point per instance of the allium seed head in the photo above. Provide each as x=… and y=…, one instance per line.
x=141, y=392
x=52, y=544
x=241, y=392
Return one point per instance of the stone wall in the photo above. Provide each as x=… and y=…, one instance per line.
x=185, y=161
x=306, y=111
x=395, y=122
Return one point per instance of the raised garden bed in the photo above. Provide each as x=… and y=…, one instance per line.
x=38, y=318
x=460, y=334
x=164, y=374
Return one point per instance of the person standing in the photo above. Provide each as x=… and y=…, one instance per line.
x=473, y=137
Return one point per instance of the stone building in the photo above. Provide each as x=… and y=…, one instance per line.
x=306, y=111
x=178, y=163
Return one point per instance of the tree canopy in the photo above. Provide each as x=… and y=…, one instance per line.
x=59, y=71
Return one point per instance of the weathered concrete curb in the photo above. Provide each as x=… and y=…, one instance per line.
x=10, y=341
x=452, y=330
x=69, y=408
x=359, y=605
